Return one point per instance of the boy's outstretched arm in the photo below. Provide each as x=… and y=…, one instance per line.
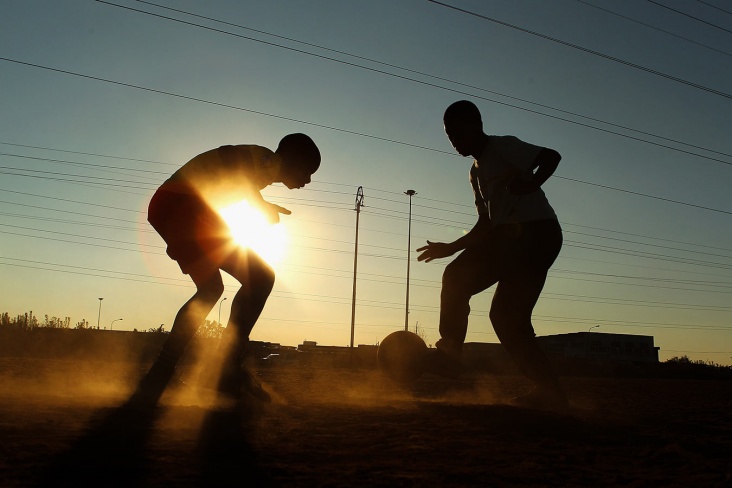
x=545, y=164
x=436, y=250
x=272, y=211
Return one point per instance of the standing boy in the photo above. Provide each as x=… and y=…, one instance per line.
x=514, y=242
x=184, y=212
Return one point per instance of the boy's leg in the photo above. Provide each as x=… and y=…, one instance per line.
x=257, y=281
x=467, y=275
x=531, y=256
x=464, y=277
x=187, y=321
x=510, y=314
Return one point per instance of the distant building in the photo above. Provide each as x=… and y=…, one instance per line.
x=575, y=352
x=600, y=346
x=363, y=355
x=579, y=352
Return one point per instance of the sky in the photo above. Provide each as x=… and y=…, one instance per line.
x=102, y=101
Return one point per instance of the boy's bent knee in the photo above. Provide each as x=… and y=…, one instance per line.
x=210, y=291
x=266, y=279
x=453, y=278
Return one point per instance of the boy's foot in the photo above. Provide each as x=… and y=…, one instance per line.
x=440, y=362
x=152, y=386
x=253, y=388
x=242, y=385
x=543, y=398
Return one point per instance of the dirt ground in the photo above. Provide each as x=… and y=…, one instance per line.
x=341, y=427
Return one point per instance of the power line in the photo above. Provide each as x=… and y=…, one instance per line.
x=347, y=131
x=120, y=183
x=647, y=244
x=85, y=153
x=654, y=27
x=718, y=285
x=690, y=16
x=36, y=195
x=76, y=222
x=603, y=248
x=77, y=235
x=715, y=7
x=649, y=237
x=573, y=298
x=641, y=254
x=421, y=73
x=114, y=227
x=584, y=49
x=632, y=302
x=103, y=181
x=392, y=212
x=423, y=82
x=568, y=244
x=69, y=212
x=669, y=200
x=607, y=187
x=101, y=167
x=223, y=105
x=377, y=303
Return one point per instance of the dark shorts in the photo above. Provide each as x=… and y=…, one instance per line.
x=195, y=233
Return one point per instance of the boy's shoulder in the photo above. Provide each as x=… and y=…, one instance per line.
x=258, y=156
x=499, y=141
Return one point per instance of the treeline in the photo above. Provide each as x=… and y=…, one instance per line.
x=28, y=322
x=684, y=366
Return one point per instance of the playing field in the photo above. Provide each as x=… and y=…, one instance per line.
x=340, y=427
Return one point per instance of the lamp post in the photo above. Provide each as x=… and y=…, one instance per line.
x=221, y=302
x=100, y=312
x=411, y=193
x=593, y=327
x=111, y=326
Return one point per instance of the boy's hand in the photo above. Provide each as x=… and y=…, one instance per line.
x=434, y=250
x=272, y=212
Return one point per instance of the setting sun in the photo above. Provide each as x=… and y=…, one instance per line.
x=251, y=229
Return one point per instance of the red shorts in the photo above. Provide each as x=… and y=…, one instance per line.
x=194, y=232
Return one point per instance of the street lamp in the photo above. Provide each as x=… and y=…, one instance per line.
x=411, y=193
x=100, y=312
x=112, y=324
x=222, y=301
x=593, y=327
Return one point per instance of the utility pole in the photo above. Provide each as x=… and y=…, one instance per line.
x=359, y=204
x=100, y=312
x=411, y=193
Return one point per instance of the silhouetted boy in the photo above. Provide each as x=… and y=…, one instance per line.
x=184, y=212
x=514, y=242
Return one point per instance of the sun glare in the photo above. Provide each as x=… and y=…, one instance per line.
x=250, y=229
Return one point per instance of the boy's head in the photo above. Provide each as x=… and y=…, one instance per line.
x=464, y=127
x=300, y=159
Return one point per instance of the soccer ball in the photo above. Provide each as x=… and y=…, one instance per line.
x=401, y=356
